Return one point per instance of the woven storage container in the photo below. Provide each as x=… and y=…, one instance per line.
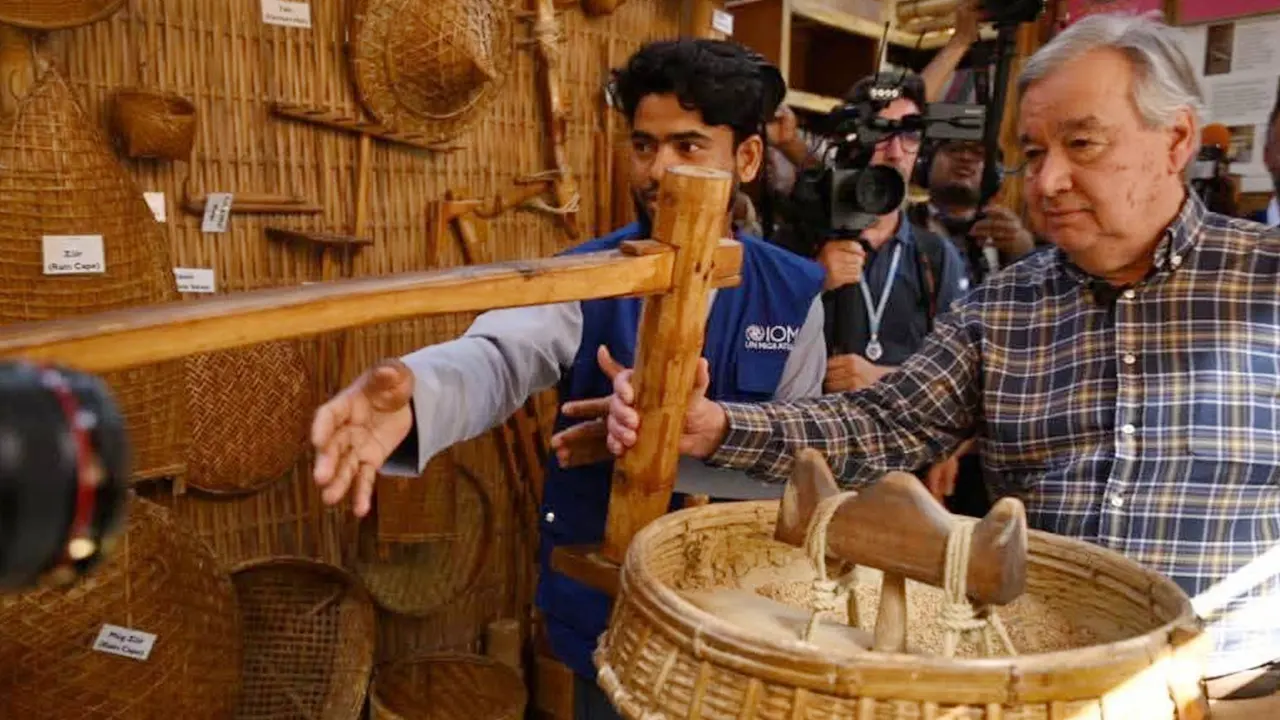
x=59, y=177
x=158, y=579
x=308, y=640
x=663, y=657
x=447, y=687
x=418, y=578
x=250, y=412
x=149, y=124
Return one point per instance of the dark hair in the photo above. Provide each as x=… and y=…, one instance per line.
x=724, y=81
x=1275, y=112
x=912, y=86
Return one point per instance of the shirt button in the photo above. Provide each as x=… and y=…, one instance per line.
x=549, y=517
x=1130, y=358
x=1130, y=294
x=1117, y=501
x=1128, y=429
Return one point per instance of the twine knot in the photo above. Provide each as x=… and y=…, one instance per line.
x=825, y=594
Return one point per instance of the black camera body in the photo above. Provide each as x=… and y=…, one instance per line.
x=64, y=469
x=854, y=191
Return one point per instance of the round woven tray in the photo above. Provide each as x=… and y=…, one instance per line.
x=250, y=410
x=308, y=640
x=662, y=656
x=158, y=579
x=447, y=687
x=416, y=579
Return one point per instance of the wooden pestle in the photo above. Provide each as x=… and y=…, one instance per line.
x=896, y=526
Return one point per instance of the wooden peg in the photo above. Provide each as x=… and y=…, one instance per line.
x=896, y=526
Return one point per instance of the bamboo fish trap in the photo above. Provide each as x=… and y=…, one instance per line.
x=665, y=657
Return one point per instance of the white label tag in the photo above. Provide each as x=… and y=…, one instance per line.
x=217, y=211
x=155, y=201
x=195, y=280
x=124, y=642
x=74, y=255
x=287, y=13
x=722, y=21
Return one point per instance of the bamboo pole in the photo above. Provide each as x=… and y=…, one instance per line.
x=122, y=339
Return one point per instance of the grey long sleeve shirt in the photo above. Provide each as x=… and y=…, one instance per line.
x=467, y=386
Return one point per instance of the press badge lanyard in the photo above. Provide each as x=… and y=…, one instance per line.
x=875, y=313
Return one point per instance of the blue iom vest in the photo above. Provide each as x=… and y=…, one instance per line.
x=747, y=341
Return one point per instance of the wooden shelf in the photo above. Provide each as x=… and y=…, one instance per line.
x=812, y=102
x=865, y=27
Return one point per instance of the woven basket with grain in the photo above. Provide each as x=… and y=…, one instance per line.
x=149, y=124
x=250, y=411
x=158, y=579
x=447, y=687
x=1097, y=636
x=58, y=177
x=308, y=640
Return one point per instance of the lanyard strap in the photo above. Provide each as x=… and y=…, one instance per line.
x=875, y=312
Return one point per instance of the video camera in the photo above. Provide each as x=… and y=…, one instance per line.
x=63, y=474
x=854, y=191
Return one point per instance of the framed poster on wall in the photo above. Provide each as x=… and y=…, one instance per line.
x=1076, y=9
x=1193, y=12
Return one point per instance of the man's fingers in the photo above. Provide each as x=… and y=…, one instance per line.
x=620, y=433
x=329, y=417
x=623, y=413
x=363, y=500
x=342, y=477
x=593, y=408
x=582, y=444
x=702, y=380
x=610, y=366
x=622, y=387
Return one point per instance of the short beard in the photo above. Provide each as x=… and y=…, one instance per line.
x=956, y=196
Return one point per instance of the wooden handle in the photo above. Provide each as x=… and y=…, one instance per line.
x=896, y=526
x=891, y=619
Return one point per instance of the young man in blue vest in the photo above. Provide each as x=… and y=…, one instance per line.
x=688, y=102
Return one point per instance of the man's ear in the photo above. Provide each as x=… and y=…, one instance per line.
x=1184, y=138
x=748, y=157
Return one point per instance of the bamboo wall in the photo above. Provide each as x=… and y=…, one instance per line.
x=221, y=55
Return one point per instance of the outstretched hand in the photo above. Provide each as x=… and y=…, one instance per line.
x=705, y=422
x=356, y=431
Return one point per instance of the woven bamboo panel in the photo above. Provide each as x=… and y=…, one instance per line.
x=422, y=508
x=309, y=634
x=159, y=579
x=233, y=67
x=447, y=686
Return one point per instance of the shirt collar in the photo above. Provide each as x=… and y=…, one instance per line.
x=1178, y=238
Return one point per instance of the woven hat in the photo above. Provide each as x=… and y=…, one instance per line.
x=56, y=14
x=430, y=66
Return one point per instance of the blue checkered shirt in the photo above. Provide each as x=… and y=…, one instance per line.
x=1147, y=422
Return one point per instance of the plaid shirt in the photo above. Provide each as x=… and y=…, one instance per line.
x=1147, y=422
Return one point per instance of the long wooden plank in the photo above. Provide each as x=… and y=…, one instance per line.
x=124, y=339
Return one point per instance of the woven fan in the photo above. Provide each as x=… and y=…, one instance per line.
x=158, y=579
x=250, y=410
x=59, y=177
x=431, y=67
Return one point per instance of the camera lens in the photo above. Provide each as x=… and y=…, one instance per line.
x=41, y=460
x=876, y=190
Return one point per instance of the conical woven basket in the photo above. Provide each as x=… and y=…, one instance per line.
x=250, y=410
x=56, y=14
x=308, y=639
x=664, y=657
x=447, y=687
x=158, y=579
x=58, y=177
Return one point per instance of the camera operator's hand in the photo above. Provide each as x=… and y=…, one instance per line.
x=843, y=261
x=356, y=431
x=968, y=16
x=1005, y=230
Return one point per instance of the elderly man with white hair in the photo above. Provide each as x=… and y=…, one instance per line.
x=1126, y=386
